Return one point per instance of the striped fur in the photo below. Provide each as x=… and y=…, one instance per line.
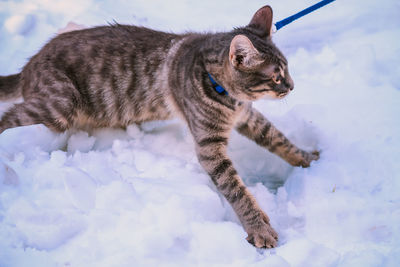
x=117, y=75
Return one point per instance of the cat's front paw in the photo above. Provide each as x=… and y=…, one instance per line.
x=262, y=235
x=309, y=156
x=303, y=158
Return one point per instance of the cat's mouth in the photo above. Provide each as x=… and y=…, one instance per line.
x=282, y=95
x=265, y=90
x=260, y=90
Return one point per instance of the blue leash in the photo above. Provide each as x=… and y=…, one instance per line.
x=221, y=90
x=304, y=12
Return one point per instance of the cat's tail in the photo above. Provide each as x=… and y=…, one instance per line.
x=9, y=87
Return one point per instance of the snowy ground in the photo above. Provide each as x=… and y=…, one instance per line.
x=138, y=197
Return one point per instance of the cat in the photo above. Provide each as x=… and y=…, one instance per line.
x=116, y=75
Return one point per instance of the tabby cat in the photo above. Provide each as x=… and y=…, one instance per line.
x=116, y=75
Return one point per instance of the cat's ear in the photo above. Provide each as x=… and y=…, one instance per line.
x=242, y=53
x=262, y=21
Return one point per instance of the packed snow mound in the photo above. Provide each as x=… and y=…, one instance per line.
x=138, y=196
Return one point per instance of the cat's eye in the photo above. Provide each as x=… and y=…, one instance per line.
x=277, y=79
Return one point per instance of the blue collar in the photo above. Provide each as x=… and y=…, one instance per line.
x=221, y=90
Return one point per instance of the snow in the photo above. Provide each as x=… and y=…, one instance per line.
x=138, y=197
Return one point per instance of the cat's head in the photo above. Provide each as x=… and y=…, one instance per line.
x=256, y=68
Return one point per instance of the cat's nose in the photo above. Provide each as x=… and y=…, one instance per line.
x=289, y=85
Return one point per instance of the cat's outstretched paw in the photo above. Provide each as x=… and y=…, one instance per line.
x=263, y=236
x=315, y=155
x=303, y=158
x=308, y=157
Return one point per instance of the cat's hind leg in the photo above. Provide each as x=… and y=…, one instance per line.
x=50, y=98
x=55, y=114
